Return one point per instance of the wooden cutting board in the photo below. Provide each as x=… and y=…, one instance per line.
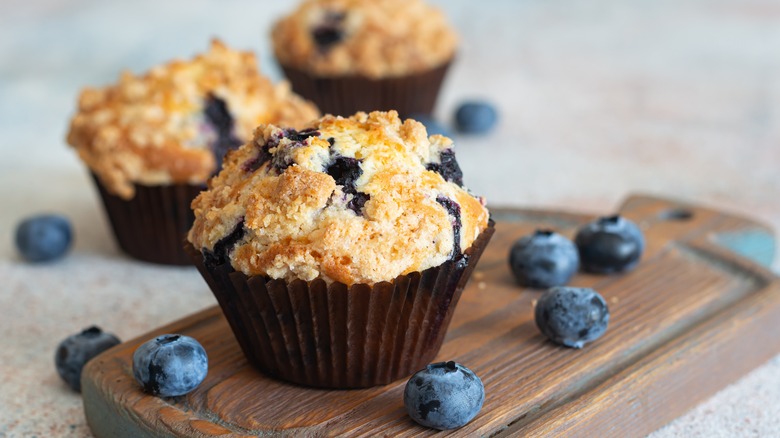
x=698, y=312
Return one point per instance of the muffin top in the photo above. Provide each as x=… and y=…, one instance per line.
x=372, y=38
x=174, y=123
x=355, y=200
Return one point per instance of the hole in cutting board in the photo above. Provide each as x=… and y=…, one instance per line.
x=676, y=214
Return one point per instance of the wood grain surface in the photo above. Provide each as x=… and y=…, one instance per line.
x=693, y=317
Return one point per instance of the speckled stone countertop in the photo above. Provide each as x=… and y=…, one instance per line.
x=598, y=99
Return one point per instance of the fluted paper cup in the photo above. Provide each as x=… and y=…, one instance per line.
x=339, y=337
x=152, y=224
x=346, y=95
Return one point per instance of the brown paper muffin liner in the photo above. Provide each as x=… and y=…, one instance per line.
x=346, y=95
x=151, y=225
x=339, y=337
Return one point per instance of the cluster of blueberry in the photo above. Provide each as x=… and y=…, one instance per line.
x=166, y=366
x=546, y=259
x=443, y=396
x=572, y=316
x=448, y=395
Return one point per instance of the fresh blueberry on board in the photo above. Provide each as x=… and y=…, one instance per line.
x=76, y=350
x=571, y=316
x=170, y=365
x=444, y=395
x=433, y=126
x=543, y=259
x=44, y=237
x=475, y=117
x=609, y=244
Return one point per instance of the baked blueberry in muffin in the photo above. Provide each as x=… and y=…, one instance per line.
x=329, y=31
x=219, y=119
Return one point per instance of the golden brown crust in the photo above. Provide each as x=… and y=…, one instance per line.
x=151, y=128
x=375, y=38
x=295, y=195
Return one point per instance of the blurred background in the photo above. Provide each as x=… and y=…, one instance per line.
x=597, y=99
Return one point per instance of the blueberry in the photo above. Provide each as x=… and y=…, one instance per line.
x=76, y=350
x=609, y=244
x=444, y=395
x=453, y=209
x=431, y=125
x=217, y=114
x=357, y=202
x=345, y=171
x=221, y=252
x=329, y=32
x=301, y=136
x=475, y=117
x=326, y=36
x=44, y=237
x=543, y=259
x=282, y=158
x=170, y=365
x=571, y=316
x=447, y=167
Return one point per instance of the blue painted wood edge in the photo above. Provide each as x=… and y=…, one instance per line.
x=753, y=243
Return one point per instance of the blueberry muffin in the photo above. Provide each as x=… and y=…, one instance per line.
x=151, y=141
x=365, y=55
x=338, y=252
